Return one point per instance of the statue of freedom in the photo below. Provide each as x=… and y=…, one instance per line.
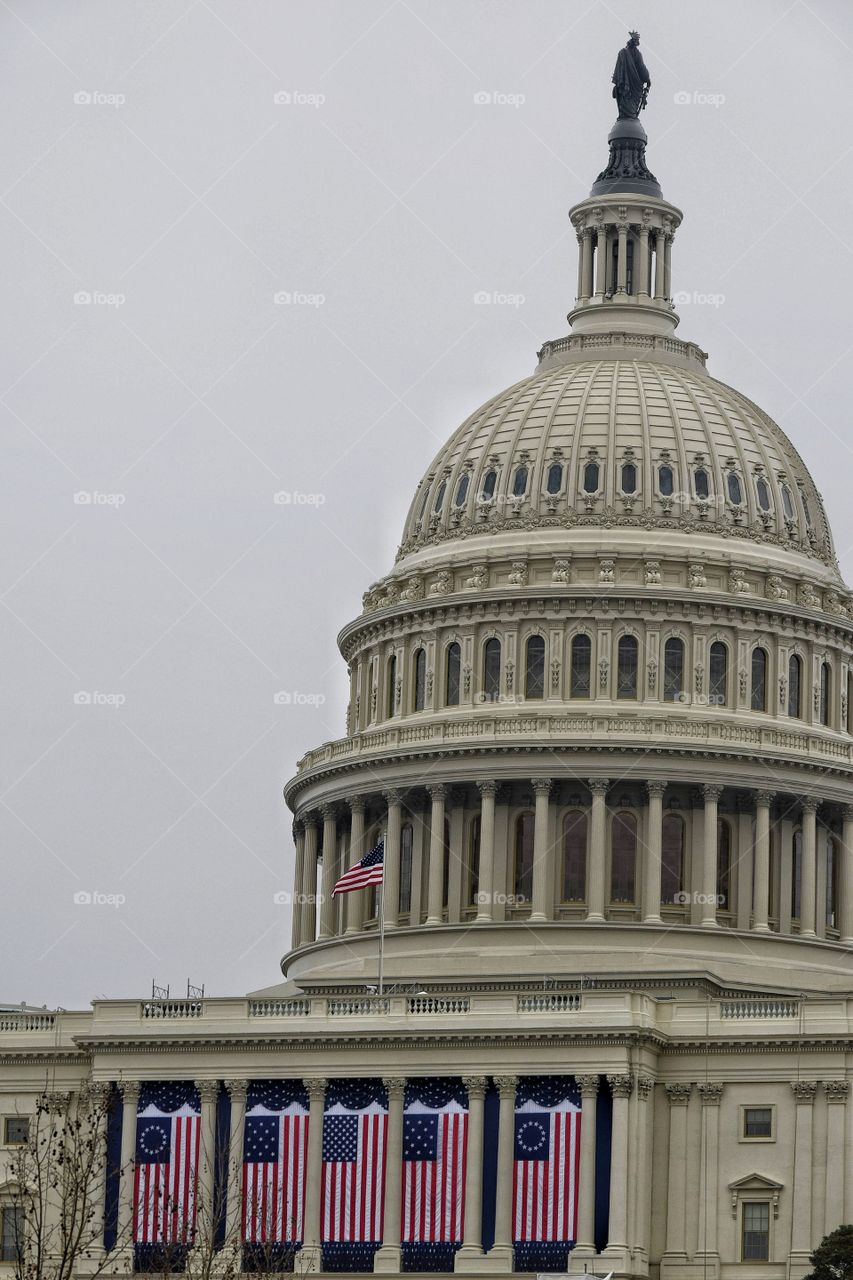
x=631, y=82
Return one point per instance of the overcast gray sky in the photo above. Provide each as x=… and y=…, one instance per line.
x=147, y=165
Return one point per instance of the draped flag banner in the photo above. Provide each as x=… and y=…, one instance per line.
x=168, y=1125
x=435, y=1138
x=275, y=1153
x=545, y=1172
x=355, y=1127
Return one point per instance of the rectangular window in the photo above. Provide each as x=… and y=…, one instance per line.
x=756, y=1232
x=11, y=1233
x=16, y=1130
x=758, y=1122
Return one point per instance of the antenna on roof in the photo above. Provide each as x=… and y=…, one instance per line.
x=194, y=993
x=159, y=993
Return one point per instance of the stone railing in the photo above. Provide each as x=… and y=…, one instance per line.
x=555, y=1002
x=22, y=1020
x=365, y=1006
x=172, y=1009
x=768, y=1008
x=279, y=1008
x=617, y=338
x=438, y=1004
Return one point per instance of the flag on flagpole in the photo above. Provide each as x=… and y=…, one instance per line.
x=369, y=870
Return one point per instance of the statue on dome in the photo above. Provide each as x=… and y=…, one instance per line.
x=631, y=81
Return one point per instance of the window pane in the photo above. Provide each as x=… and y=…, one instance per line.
x=535, y=682
x=629, y=478
x=724, y=863
x=831, y=881
x=574, y=857
x=581, y=662
x=492, y=669
x=420, y=679
x=474, y=862
x=626, y=671
x=763, y=494
x=623, y=857
x=590, y=477
x=523, y=879
x=13, y=1232
x=519, y=484
x=665, y=481
x=391, y=686
x=673, y=670
x=758, y=699
x=797, y=875
x=756, y=1232
x=439, y=497
x=454, y=658
x=17, y=1130
x=757, y=1122
x=462, y=489
x=406, y=842
x=787, y=502
x=718, y=675
x=735, y=494
x=555, y=477
x=806, y=510
x=672, y=858
x=825, y=685
x=795, y=668
x=700, y=479
x=489, y=485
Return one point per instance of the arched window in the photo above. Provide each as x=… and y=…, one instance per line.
x=424, y=505
x=629, y=477
x=445, y=883
x=831, y=881
x=795, y=684
x=623, y=857
x=519, y=484
x=673, y=670
x=788, y=503
x=626, y=667
x=391, y=685
x=581, y=662
x=534, y=684
x=666, y=481
x=407, y=837
x=735, y=491
x=825, y=692
x=806, y=509
x=797, y=875
x=718, y=675
x=724, y=864
x=672, y=858
x=590, y=477
x=555, y=478
x=758, y=694
x=439, y=497
x=574, y=856
x=453, y=661
x=492, y=669
x=700, y=481
x=763, y=493
x=462, y=489
x=419, y=668
x=474, y=861
x=523, y=875
x=491, y=479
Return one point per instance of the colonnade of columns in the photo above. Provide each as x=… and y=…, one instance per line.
x=596, y=276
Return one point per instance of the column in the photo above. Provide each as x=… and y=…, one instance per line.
x=541, y=849
x=330, y=870
x=808, y=891
x=501, y=1251
x=801, y=1194
x=435, y=891
x=586, y=277
x=387, y=1258
x=622, y=259
x=761, y=863
x=209, y=1093
x=601, y=261
x=845, y=879
x=660, y=287
x=642, y=1169
x=469, y=1257
x=237, y=1090
x=620, y=1087
x=95, y=1098
x=391, y=889
x=597, y=847
x=580, y=235
x=653, y=851
x=708, y=919
x=679, y=1097
x=129, y=1090
x=355, y=900
x=643, y=274
x=667, y=260
x=308, y=928
x=837, y=1171
x=486, y=869
x=585, y=1246
x=310, y=1257
x=709, y=1159
x=298, y=885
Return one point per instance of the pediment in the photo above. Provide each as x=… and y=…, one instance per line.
x=755, y=1182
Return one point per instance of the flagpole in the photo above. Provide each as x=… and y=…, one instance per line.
x=382, y=920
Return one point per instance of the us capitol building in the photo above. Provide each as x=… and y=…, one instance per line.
x=601, y=712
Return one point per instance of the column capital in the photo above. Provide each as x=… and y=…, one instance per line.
x=656, y=789
x=836, y=1090
x=237, y=1090
x=393, y=796
x=809, y=804
x=621, y=1086
x=490, y=788
x=645, y=1085
x=764, y=799
x=711, y=1093
x=357, y=804
x=297, y=828
x=56, y=1100
x=599, y=786
x=129, y=1090
x=588, y=1086
x=476, y=1086
x=711, y=792
x=208, y=1090
x=394, y=1085
x=329, y=812
x=804, y=1091
x=678, y=1094
x=310, y=819
x=437, y=790
x=506, y=1085
x=96, y=1091
x=316, y=1088
x=541, y=786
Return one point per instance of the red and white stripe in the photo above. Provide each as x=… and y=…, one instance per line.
x=434, y=1190
x=359, y=877
x=545, y=1192
x=274, y=1190
x=354, y=1190
x=164, y=1195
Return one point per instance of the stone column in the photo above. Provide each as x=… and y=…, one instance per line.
x=845, y=878
x=586, y=277
x=708, y=919
x=501, y=1252
x=580, y=236
x=308, y=927
x=310, y=1257
x=597, y=848
x=808, y=888
x=330, y=870
x=387, y=1258
x=585, y=1247
x=676, y=1248
x=541, y=850
x=355, y=900
x=486, y=873
x=622, y=258
x=709, y=1159
x=653, y=851
x=642, y=1169
x=667, y=267
x=298, y=885
x=435, y=893
x=391, y=889
x=129, y=1090
x=660, y=286
x=237, y=1090
x=470, y=1256
x=837, y=1170
x=801, y=1193
x=761, y=862
x=643, y=274
x=98, y=1093
x=617, y=1242
x=209, y=1093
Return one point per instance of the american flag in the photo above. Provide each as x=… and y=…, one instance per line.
x=274, y=1160
x=435, y=1134
x=167, y=1155
x=369, y=870
x=547, y=1160
x=354, y=1133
